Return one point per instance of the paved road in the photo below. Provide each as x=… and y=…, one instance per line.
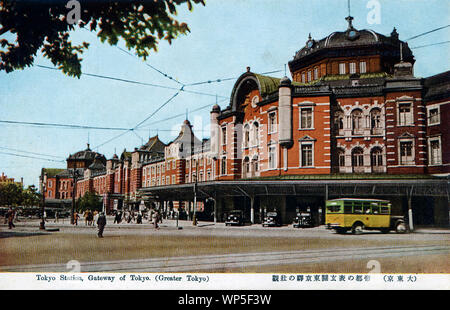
x=222, y=262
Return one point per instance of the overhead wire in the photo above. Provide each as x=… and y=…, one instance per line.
x=28, y=152
x=33, y=157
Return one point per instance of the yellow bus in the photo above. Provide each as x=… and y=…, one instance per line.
x=357, y=215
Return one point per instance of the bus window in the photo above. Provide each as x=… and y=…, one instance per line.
x=334, y=209
x=357, y=208
x=384, y=210
x=375, y=210
x=366, y=208
x=348, y=208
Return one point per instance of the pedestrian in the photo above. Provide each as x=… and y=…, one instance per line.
x=85, y=215
x=56, y=216
x=139, y=218
x=155, y=220
x=96, y=215
x=45, y=216
x=90, y=218
x=117, y=218
x=101, y=223
x=10, y=216
x=75, y=218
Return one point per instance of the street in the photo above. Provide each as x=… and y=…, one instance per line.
x=210, y=247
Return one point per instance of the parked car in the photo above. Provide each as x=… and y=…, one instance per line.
x=236, y=217
x=272, y=219
x=303, y=219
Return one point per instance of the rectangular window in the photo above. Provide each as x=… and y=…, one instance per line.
x=223, y=167
x=309, y=76
x=406, y=152
x=187, y=178
x=174, y=164
x=342, y=68
x=272, y=157
x=357, y=208
x=224, y=135
x=384, y=210
x=435, y=152
x=362, y=67
x=316, y=73
x=433, y=116
x=306, y=155
x=405, y=114
x=306, y=118
x=352, y=67
x=272, y=122
x=173, y=179
x=303, y=78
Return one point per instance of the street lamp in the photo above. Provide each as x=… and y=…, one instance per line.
x=75, y=174
x=43, y=191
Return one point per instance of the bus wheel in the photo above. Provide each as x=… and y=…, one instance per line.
x=357, y=229
x=400, y=228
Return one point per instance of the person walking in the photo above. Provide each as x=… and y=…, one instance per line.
x=10, y=216
x=155, y=219
x=101, y=223
x=56, y=216
x=75, y=218
x=96, y=215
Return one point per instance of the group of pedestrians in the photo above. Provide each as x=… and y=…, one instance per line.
x=153, y=216
x=90, y=218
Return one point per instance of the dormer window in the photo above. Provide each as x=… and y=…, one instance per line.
x=352, y=67
x=342, y=68
x=362, y=67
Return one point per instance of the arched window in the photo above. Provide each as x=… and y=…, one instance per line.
x=339, y=123
x=358, y=160
x=341, y=158
x=375, y=122
x=246, y=136
x=376, y=159
x=255, y=164
x=246, y=166
x=357, y=122
x=256, y=134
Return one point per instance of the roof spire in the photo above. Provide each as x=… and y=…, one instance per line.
x=349, y=18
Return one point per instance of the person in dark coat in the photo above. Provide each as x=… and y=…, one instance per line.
x=10, y=216
x=101, y=222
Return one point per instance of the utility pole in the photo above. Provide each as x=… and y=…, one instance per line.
x=43, y=191
x=74, y=189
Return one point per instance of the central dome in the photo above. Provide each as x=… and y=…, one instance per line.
x=351, y=43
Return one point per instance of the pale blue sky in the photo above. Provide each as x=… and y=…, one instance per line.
x=226, y=37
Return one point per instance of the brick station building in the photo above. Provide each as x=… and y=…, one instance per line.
x=354, y=121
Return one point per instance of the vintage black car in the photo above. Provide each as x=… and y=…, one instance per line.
x=272, y=219
x=303, y=220
x=235, y=217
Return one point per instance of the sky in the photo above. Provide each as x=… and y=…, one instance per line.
x=226, y=36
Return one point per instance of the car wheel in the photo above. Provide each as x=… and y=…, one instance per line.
x=400, y=228
x=357, y=229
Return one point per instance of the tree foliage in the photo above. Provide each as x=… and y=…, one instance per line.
x=43, y=26
x=13, y=195
x=90, y=201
